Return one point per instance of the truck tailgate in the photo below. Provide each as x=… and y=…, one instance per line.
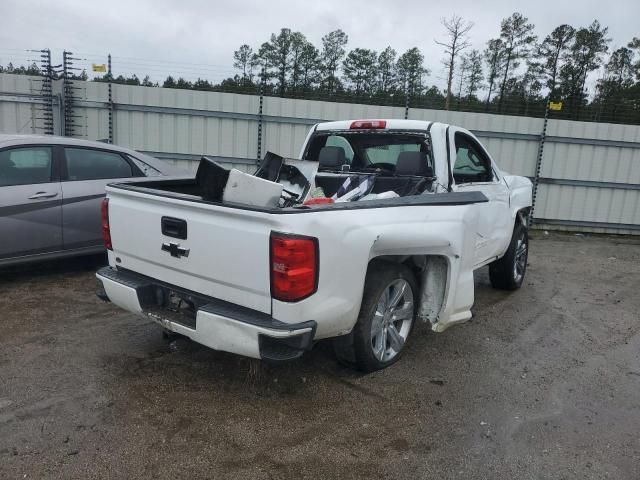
x=228, y=248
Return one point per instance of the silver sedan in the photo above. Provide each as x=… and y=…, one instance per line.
x=51, y=189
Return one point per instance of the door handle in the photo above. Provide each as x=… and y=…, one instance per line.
x=43, y=195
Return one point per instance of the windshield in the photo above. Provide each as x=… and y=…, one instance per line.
x=367, y=151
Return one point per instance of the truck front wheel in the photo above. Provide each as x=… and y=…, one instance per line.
x=507, y=273
x=386, y=318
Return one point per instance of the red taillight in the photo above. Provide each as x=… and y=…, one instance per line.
x=294, y=267
x=368, y=124
x=106, y=233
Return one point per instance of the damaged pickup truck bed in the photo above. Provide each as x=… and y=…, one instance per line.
x=377, y=224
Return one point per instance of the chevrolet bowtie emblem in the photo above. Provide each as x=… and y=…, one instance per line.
x=175, y=249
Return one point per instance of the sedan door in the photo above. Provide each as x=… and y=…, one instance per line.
x=30, y=201
x=85, y=174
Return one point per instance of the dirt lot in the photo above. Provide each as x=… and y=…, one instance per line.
x=542, y=383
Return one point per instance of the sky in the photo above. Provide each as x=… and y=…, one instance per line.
x=197, y=37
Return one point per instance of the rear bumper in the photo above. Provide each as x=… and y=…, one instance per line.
x=217, y=324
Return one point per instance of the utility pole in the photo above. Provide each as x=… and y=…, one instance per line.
x=47, y=90
x=407, y=89
x=262, y=85
x=536, y=179
x=110, y=99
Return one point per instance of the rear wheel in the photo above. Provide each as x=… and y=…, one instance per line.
x=386, y=318
x=508, y=272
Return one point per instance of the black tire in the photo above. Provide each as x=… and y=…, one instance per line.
x=508, y=272
x=357, y=349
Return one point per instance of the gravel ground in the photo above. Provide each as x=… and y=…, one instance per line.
x=541, y=383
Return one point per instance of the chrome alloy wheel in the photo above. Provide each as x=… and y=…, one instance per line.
x=392, y=320
x=520, y=260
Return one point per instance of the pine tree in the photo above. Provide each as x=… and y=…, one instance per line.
x=360, y=70
x=494, y=56
x=333, y=51
x=276, y=54
x=474, y=73
x=585, y=56
x=411, y=71
x=387, y=75
x=518, y=38
x=552, y=52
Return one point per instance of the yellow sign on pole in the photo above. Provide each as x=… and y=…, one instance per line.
x=555, y=106
x=98, y=67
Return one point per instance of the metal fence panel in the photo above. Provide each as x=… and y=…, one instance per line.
x=18, y=107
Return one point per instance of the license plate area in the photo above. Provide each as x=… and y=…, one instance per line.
x=164, y=304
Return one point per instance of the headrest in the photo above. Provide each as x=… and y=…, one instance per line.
x=331, y=157
x=413, y=163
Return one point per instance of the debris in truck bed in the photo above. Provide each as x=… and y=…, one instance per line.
x=275, y=184
x=380, y=196
x=354, y=188
x=211, y=179
x=250, y=190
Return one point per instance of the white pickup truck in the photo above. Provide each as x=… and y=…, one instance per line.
x=379, y=223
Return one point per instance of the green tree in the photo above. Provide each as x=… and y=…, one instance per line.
x=83, y=75
x=517, y=37
x=309, y=66
x=585, y=56
x=184, y=84
x=463, y=68
x=245, y=60
x=456, y=30
x=132, y=80
x=169, y=82
x=552, y=52
x=494, y=57
x=333, y=51
x=298, y=45
x=620, y=68
x=201, y=84
x=474, y=73
x=635, y=45
x=360, y=70
x=531, y=85
x=612, y=89
x=31, y=69
x=387, y=76
x=411, y=71
x=146, y=82
x=276, y=54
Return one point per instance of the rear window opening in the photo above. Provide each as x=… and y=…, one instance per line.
x=367, y=151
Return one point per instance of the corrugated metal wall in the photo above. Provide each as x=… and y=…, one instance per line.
x=18, y=105
x=589, y=178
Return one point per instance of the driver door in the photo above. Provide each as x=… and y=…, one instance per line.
x=473, y=170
